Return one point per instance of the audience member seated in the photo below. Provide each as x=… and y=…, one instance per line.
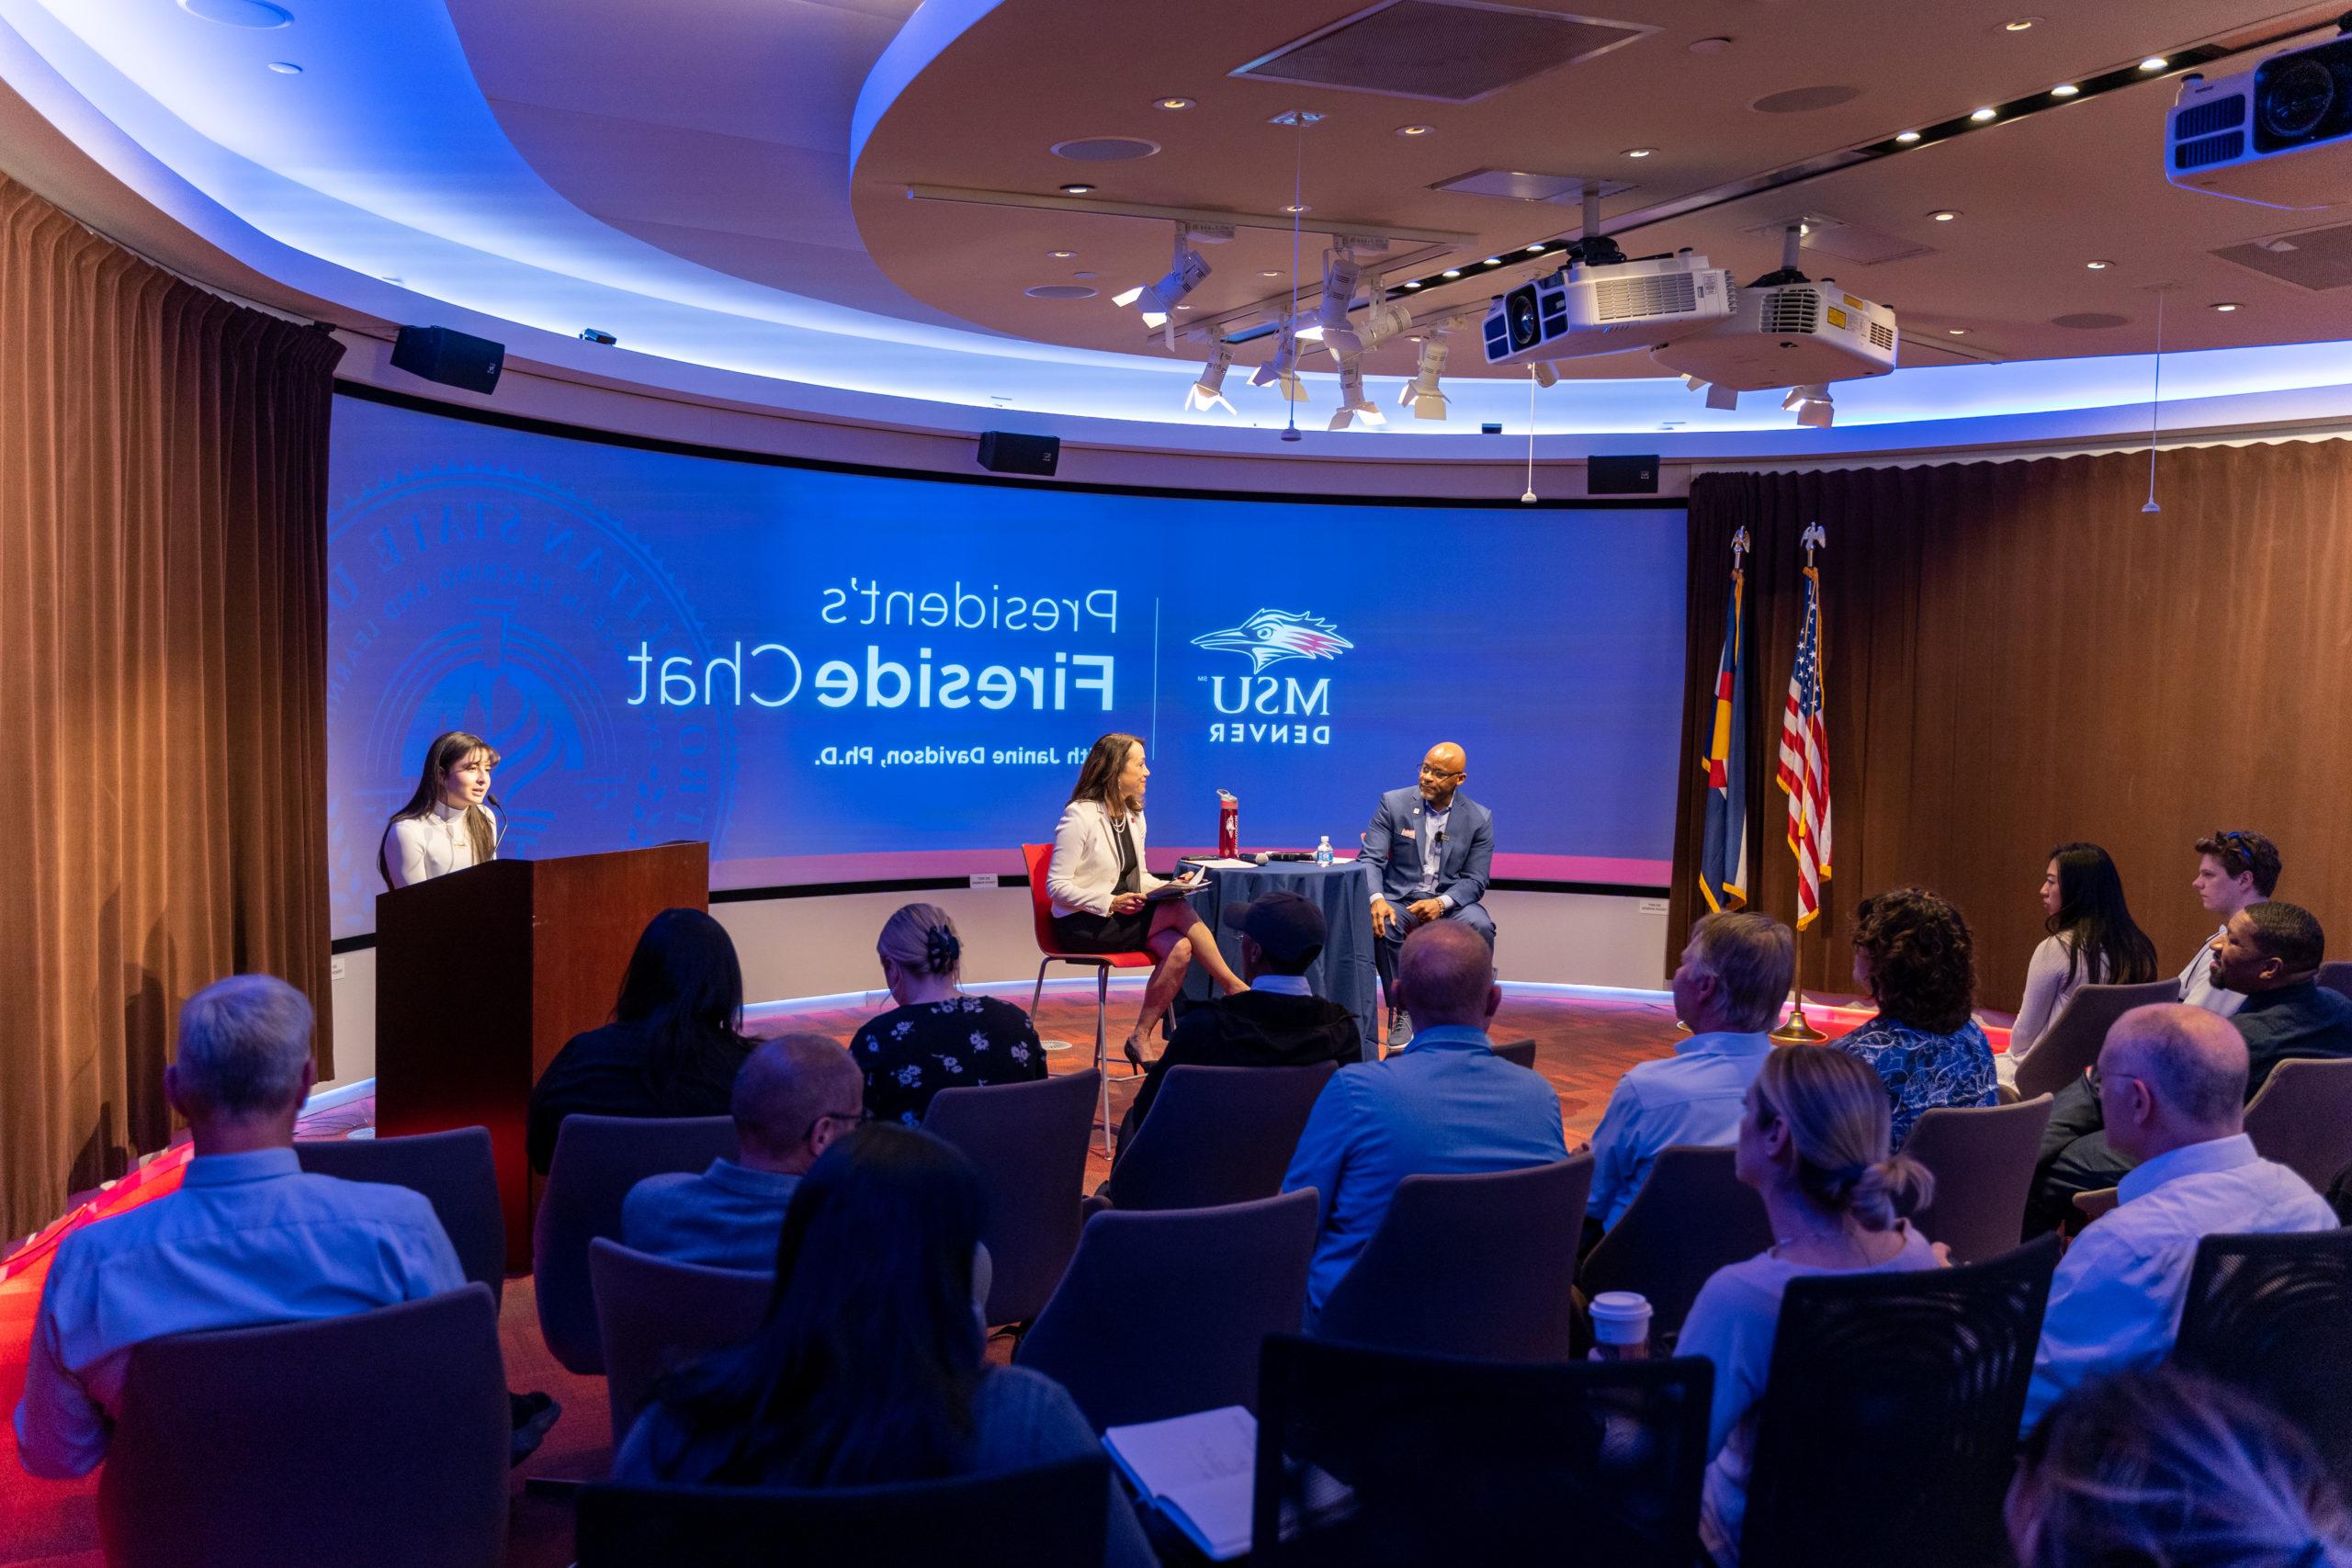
x=1728, y=990
x=796, y=1094
x=2234, y=870
x=2172, y=1082
x=868, y=1370
x=1913, y=956
x=1278, y=1022
x=1445, y=1104
x=936, y=1037
x=2269, y=954
x=248, y=1238
x=673, y=1047
x=1814, y=1143
x=2162, y=1468
x=2092, y=941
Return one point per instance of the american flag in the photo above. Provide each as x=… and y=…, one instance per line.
x=1805, y=755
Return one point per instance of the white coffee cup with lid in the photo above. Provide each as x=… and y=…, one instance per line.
x=1620, y=1323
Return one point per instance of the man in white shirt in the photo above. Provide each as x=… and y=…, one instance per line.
x=2172, y=1083
x=2234, y=869
x=1734, y=976
x=248, y=1238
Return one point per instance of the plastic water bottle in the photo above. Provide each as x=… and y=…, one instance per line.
x=1323, y=851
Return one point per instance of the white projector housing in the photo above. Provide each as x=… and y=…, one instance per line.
x=1584, y=311
x=2279, y=135
x=1786, y=334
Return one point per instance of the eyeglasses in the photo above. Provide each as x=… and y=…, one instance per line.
x=1430, y=773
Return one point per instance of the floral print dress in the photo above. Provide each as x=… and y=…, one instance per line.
x=911, y=1053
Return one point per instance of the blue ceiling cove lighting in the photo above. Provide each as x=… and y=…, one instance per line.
x=404, y=170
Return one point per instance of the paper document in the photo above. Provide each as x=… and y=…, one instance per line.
x=1198, y=1470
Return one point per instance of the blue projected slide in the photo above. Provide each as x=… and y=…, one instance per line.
x=837, y=677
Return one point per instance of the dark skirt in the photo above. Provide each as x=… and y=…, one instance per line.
x=1085, y=932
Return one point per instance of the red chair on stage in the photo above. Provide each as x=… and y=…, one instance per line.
x=1041, y=909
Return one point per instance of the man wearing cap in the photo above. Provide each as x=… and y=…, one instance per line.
x=1278, y=1022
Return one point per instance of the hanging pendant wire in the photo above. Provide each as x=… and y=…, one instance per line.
x=1290, y=320
x=2155, y=405
x=1528, y=498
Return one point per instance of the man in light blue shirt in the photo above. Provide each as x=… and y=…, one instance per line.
x=1444, y=1104
x=248, y=1238
x=794, y=1096
x=2172, y=1086
x=1728, y=989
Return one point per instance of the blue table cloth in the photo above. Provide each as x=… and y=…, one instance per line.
x=1344, y=972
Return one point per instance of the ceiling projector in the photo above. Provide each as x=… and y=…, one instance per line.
x=1604, y=308
x=2279, y=135
x=1785, y=335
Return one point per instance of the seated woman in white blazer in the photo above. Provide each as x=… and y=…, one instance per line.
x=1097, y=882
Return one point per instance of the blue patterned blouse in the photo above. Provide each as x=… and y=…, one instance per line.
x=1923, y=1071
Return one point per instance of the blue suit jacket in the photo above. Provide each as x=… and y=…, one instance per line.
x=1394, y=845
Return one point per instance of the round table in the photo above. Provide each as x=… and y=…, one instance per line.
x=1343, y=972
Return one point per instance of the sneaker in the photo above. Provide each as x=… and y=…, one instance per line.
x=1400, y=1029
x=534, y=1414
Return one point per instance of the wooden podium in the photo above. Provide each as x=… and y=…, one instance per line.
x=483, y=975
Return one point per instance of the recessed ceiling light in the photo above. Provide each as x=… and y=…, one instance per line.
x=1079, y=189
x=1981, y=116
x=1710, y=46
x=1061, y=255
x=1413, y=283
x=1171, y=103
x=2018, y=24
x=239, y=13
x=1415, y=130
x=2099, y=265
x=2064, y=90
x=285, y=68
x=1956, y=332
x=1269, y=274
x=2226, y=306
x=1534, y=250
x=1908, y=137
x=1183, y=307
x=1639, y=151
x=1943, y=215
x=1297, y=208
x=1451, y=272
x=2154, y=62
x=1492, y=261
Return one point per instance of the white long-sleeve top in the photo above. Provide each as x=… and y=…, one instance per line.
x=2046, y=991
x=417, y=848
x=1085, y=866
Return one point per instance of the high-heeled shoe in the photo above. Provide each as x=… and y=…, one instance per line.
x=1133, y=1049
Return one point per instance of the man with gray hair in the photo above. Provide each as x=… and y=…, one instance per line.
x=2172, y=1085
x=248, y=1238
x=1728, y=989
x=793, y=1095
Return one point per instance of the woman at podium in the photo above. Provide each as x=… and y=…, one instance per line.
x=450, y=822
x=1104, y=898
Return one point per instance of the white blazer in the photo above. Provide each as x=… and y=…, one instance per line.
x=1085, y=866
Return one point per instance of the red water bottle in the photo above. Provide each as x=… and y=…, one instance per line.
x=1229, y=825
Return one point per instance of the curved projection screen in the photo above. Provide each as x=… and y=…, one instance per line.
x=838, y=677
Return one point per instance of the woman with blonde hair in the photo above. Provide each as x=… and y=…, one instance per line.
x=452, y=821
x=936, y=1037
x=1813, y=1144
x=1099, y=885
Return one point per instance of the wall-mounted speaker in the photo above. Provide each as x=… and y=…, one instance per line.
x=1621, y=476
x=1002, y=451
x=451, y=357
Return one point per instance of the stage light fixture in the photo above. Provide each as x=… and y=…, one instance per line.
x=1282, y=368
x=1208, y=391
x=1813, y=405
x=1724, y=398
x=1353, y=402
x=1546, y=374
x=1155, y=301
x=1424, y=392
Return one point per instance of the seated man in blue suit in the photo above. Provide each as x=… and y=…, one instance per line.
x=1433, y=849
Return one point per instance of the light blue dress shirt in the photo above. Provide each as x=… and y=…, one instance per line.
x=1696, y=1096
x=247, y=1239
x=728, y=1217
x=2115, y=1302
x=1444, y=1105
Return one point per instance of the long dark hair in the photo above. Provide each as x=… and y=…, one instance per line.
x=1099, y=779
x=863, y=1372
x=685, y=988
x=448, y=749
x=2093, y=922
x=1923, y=962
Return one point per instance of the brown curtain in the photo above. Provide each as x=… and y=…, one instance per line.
x=2018, y=656
x=162, y=667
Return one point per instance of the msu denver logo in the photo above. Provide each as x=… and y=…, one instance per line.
x=1270, y=636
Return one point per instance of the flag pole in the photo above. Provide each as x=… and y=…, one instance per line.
x=1798, y=1029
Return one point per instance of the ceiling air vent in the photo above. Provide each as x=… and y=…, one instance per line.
x=1454, y=51
x=2317, y=259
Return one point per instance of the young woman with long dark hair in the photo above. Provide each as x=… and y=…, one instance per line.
x=2092, y=941
x=869, y=1369
x=452, y=821
x=675, y=1044
x=1097, y=880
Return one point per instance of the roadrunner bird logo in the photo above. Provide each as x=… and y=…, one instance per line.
x=1270, y=636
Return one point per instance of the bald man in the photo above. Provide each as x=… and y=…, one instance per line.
x=2172, y=1083
x=1433, y=849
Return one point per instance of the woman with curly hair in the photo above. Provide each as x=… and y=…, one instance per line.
x=1914, y=957
x=936, y=1037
